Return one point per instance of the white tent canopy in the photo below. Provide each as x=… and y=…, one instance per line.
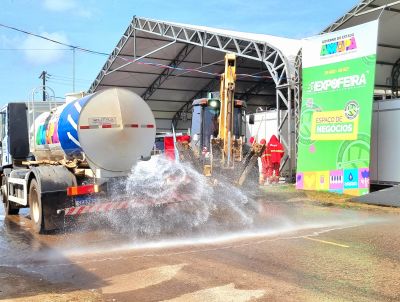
x=192, y=59
x=288, y=47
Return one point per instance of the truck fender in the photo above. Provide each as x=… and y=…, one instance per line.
x=53, y=178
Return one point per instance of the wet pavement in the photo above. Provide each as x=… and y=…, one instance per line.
x=287, y=252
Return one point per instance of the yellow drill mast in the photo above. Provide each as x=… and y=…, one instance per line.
x=227, y=93
x=226, y=150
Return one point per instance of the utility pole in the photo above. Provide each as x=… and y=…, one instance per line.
x=43, y=76
x=73, y=69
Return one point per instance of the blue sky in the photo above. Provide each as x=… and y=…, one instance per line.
x=99, y=24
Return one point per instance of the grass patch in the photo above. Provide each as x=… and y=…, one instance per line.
x=289, y=193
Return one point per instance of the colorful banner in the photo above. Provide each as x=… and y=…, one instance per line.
x=336, y=110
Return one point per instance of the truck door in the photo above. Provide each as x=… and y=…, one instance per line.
x=195, y=130
x=4, y=156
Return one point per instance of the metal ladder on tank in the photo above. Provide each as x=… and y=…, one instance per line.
x=34, y=112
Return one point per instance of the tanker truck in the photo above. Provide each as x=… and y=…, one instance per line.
x=63, y=160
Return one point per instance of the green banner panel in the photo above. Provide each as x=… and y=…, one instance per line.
x=336, y=111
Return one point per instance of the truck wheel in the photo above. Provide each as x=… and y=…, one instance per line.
x=35, y=205
x=9, y=207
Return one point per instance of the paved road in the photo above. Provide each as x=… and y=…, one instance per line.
x=298, y=253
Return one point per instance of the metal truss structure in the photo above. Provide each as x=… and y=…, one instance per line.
x=297, y=99
x=191, y=37
x=346, y=17
x=185, y=51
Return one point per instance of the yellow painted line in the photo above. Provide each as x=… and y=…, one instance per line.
x=326, y=242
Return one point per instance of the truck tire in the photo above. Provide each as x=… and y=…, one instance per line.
x=9, y=207
x=35, y=205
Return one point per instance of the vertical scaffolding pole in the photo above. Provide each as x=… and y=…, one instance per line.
x=289, y=108
x=297, y=102
x=134, y=43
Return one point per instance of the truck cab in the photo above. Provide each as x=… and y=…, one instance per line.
x=13, y=134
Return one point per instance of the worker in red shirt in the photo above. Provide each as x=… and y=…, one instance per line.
x=183, y=138
x=274, y=152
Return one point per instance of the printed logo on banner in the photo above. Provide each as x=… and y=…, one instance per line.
x=300, y=181
x=323, y=180
x=350, y=43
x=336, y=181
x=351, y=110
x=310, y=180
x=338, y=83
x=363, y=178
x=338, y=45
x=333, y=125
x=350, y=178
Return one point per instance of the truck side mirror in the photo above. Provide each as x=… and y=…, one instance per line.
x=251, y=119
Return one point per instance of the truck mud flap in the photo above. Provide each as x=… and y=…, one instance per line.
x=51, y=202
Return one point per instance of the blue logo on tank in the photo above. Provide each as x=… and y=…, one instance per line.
x=68, y=126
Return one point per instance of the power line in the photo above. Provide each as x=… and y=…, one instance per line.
x=66, y=82
x=59, y=83
x=72, y=47
x=65, y=78
x=54, y=41
x=185, y=70
x=51, y=49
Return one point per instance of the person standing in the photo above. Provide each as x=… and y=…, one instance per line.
x=265, y=163
x=276, y=152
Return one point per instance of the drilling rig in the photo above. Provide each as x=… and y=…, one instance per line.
x=217, y=145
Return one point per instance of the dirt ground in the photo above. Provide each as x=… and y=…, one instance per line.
x=288, y=193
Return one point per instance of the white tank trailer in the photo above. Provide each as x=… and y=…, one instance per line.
x=63, y=162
